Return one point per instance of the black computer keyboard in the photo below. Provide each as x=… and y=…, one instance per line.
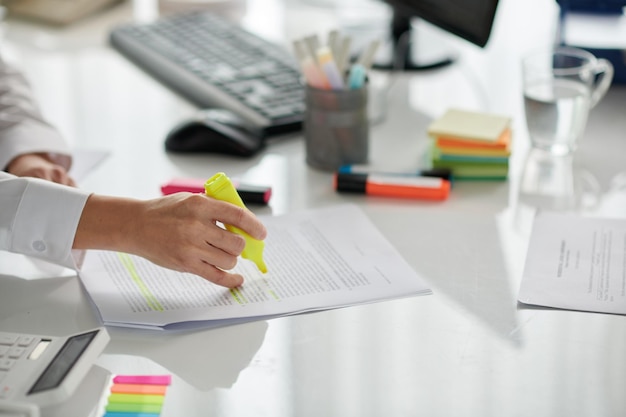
x=217, y=64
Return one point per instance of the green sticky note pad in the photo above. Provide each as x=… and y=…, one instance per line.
x=134, y=408
x=136, y=399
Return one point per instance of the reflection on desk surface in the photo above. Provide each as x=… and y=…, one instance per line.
x=52, y=305
x=466, y=263
x=205, y=359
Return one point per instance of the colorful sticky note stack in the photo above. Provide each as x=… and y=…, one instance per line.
x=137, y=395
x=474, y=145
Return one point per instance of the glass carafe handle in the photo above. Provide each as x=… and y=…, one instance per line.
x=604, y=71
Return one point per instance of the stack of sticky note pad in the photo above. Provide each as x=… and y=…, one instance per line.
x=137, y=395
x=474, y=145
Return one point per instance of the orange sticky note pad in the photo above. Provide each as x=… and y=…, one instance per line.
x=139, y=389
x=502, y=143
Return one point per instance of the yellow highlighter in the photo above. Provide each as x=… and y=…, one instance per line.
x=220, y=187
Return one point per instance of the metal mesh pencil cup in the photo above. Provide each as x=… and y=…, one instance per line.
x=336, y=127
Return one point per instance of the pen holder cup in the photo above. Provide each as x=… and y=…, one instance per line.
x=336, y=127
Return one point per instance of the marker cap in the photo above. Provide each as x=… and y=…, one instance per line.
x=351, y=183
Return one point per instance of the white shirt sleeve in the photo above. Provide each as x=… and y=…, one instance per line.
x=22, y=127
x=39, y=218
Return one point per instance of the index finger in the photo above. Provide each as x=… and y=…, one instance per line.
x=239, y=217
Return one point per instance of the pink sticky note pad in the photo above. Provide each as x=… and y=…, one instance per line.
x=143, y=379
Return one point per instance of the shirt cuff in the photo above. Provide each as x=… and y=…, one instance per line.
x=33, y=137
x=46, y=222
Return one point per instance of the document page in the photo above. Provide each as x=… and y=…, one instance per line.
x=576, y=263
x=318, y=259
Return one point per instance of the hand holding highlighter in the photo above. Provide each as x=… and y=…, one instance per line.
x=220, y=187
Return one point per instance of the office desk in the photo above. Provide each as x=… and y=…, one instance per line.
x=467, y=350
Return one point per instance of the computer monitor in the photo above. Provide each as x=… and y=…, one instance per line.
x=471, y=20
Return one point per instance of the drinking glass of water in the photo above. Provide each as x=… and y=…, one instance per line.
x=561, y=86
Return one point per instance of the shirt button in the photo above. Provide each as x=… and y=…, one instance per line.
x=39, y=246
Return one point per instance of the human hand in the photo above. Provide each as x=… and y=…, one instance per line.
x=178, y=231
x=38, y=165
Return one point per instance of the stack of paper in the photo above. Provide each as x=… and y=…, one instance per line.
x=475, y=146
x=319, y=259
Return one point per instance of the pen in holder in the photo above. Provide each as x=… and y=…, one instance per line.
x=336, y=127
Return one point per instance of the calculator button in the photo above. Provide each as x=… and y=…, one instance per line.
x=8, y=339
x=25, y=340
x=3, y=350
x=16, y=352
x=6, y=364
x=5, y=390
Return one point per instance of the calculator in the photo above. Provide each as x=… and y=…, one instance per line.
x=40, y=371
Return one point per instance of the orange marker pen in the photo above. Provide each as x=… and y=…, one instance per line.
x=427, y=188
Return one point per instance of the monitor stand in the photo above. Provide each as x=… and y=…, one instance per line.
x=414, y=45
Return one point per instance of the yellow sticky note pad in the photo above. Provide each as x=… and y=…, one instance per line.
x=469, y=125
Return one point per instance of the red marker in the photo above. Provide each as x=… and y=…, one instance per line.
x=427, y=188
x=250, y=194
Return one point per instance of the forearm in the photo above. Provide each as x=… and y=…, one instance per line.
x=108, y=223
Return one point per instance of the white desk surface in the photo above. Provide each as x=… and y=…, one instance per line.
x=467, y=350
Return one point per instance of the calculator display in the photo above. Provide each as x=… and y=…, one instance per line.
x=63, y=362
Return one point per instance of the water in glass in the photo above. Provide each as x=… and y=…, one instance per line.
x=556, y=113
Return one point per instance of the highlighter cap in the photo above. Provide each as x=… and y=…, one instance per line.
x=220, y=187
x=216, y=183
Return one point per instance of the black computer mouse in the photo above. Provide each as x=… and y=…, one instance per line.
x=214, y=131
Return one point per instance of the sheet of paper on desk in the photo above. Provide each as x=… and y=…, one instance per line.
x=318, y=259
x=576, y=263
x=85, y=161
